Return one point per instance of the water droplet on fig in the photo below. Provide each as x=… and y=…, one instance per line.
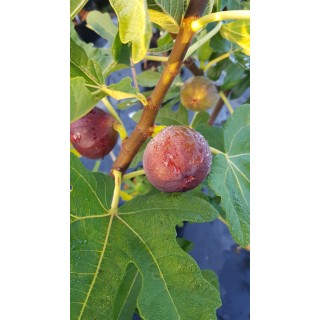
x=76, y=137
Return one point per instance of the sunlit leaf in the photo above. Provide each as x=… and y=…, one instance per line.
x=134, y=26
x=239, y=33
x=102, y=24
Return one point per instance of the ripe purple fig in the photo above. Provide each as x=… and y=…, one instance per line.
x=177, y=159
x=93, y=135
x=198, y=94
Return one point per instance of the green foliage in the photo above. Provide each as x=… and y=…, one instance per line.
x=76, y=6
x=229, y=177
x=239, y=33
x=86, y=78
x=102, y=247
x=134, y=26
x=132, y=261
x=102, y=24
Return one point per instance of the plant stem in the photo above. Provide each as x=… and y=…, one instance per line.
x=96, y=166
x=226, y=102
x=144, y=128
x=134, y=74
x=190, y=64
x=203, y=40
x=121, y=130
x=216, y=60
x=112, y=156
x=217, y=109
x=156, y=58
x=133, y=174
x=215, y=151
x=116, y=192
x=194, y=118
x=218, y=16
x=114, y=113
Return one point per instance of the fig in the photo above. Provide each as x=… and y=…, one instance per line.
x=198, y=94
x=93, y=135
x=177, y=159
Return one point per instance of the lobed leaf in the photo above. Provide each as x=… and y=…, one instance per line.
x=230, y=175
x=239, y=33
x=142, y=233
x=134, y=26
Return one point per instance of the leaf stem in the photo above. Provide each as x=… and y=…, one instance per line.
x=203, y=40
x=133, y=174
x=215, y=151
x=113, y=112
x=116, y=192
x=226, y=101
x=219, y=16
x=216, y=60
x=121, y=130
x=156, y=58
x=193, y=119
x=217, y=109
x=134, y=74
x=96, y=166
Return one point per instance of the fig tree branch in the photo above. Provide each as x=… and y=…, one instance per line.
x=144, y=127
x=217, y=109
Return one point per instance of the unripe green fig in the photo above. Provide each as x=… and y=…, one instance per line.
x=93, y=135
x=198, y=94
x=177, y=159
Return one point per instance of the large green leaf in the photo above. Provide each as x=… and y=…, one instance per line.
x=127, y=295
x=81, y=66
x=76, y=6
x=239, y=33
x=235, y=73
x=101, y=55
x=102, y=24
x=134, y=25
x=81, y=99
x=142, y=232
x=230, y=175
x=88, y=79
x=213, y=134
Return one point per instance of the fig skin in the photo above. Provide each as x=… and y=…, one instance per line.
x=177, y=159
x=199, y=94
x=93, y=135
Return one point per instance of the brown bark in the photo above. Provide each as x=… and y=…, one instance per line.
x=144, y=128
x=217, y=109
x=196, y=71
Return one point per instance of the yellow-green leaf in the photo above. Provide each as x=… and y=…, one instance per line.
x=124, y=90
x=239, y=33
x=165, y=21
x=134, y=25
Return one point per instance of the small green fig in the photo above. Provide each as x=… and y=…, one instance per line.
x=198, y=94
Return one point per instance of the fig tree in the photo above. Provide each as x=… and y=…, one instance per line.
x=198, y=94
x=177, y=159
x=93, y=135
